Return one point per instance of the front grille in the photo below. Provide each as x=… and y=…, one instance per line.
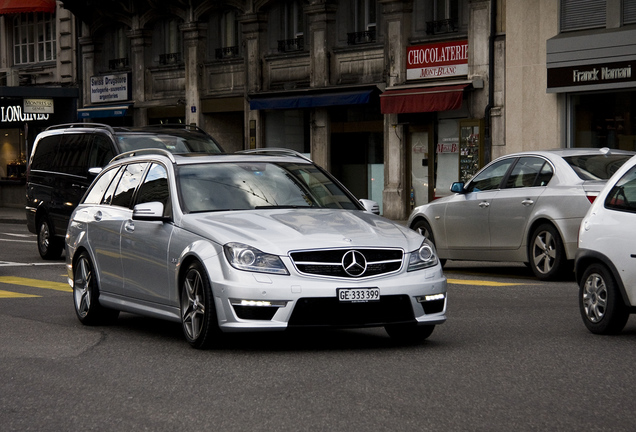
x=328, y=311
x=330, y=262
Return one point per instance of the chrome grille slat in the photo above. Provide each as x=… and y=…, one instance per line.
x=328, y=262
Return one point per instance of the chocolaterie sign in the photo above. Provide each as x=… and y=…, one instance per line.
x=437, y=60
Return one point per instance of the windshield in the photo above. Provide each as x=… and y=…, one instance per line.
x=246, y=186
x=172, y=143
x=596, y=167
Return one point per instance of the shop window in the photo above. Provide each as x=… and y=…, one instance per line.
x=582, y=14
x=365, y=13
x=629, y=11
x=34, y=38
x=292, y=26
x=604, y=120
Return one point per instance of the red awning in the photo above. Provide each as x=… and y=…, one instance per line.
x=26, y=6
x=426, y=99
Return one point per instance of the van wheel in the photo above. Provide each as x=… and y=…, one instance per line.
x=49, y=246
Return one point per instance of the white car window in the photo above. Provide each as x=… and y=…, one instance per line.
x=623, y=195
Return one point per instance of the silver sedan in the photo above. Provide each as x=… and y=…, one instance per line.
x=523, y=207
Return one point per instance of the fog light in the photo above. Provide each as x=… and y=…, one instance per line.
x=258, y=303
x=431, y=297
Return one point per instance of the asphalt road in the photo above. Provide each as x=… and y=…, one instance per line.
x=513, y=355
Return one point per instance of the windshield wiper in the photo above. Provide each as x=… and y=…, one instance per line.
x=281, y=207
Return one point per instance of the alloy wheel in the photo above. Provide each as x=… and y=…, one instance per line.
x=595, y=298
x=193, y=304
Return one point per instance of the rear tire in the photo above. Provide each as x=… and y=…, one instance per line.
x=198, y=314
x=86, y=294
x=546, y=253
x=600, y=302
x=49, y=246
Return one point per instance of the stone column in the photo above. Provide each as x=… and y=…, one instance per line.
x=397, y=27
x=140, y=41
x=88, y=67
x=254, y=27
x=320, y=136
x=194, y=38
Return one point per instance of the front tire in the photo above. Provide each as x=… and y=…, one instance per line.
x=409, y=333
x=86, y=294
x=49, y=246
x=600, y=302
x=546, y=253
x=198, y=313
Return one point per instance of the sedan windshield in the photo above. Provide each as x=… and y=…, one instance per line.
x=246, y=186
x=596, y=167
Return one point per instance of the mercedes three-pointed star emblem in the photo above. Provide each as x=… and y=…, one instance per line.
x=354, y=263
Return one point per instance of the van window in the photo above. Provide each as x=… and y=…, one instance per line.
x=101, y=152
x=72, y=154
x=44, y=154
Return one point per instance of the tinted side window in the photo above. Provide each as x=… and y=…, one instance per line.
x=72, y=153
x=45, y=152
x=491, y=177
x=155, y=188
x=101, y=151
x=96, y=192
x=526, y=173
x=623, y=195
x=129, y=181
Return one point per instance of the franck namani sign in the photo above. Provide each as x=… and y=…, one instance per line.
x=110, y=88
x=438, y=60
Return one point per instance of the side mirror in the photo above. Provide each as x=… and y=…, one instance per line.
x=94, y=172
x=457, y=187
x=370, y=206
x=150, y=211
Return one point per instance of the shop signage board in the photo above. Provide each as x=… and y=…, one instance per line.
x=110, y=88
x=38, y=106
x=591, y=75
x=437, y=60
x=15, y=113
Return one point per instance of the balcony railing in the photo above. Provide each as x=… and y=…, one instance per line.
x=227, y=52
x=361, y=37
x=296, y=44
x=120, y=63
x=441, y=26
x=170, y=59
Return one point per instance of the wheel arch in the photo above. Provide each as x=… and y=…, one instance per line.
x=587, y=257
x=534, y=225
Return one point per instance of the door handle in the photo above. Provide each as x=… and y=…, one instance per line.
x=129, y=226
x=97, y=216
x=527, y=202
x=484, y=204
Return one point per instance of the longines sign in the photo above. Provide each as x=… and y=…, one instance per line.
x=438, y=60
x=588, y=75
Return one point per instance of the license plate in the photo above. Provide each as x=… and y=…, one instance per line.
x=358, y=295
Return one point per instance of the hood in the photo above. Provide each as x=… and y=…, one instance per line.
x=279, y=231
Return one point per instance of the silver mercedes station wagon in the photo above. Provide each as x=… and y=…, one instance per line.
x=249, y=241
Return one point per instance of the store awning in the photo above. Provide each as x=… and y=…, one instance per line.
x=26, y=6
x=102, y=111
x=311, y=101
x=425, y=99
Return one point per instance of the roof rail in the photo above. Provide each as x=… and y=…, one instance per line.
x=139, y=152
x=81, y=125
x=175, y=126
x=274, y=151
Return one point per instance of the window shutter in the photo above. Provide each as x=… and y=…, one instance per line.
x=582, y=14
x=629, y=11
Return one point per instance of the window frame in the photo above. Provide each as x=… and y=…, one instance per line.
x=40, y=31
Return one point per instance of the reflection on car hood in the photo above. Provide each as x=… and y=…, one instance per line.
x=281, y=230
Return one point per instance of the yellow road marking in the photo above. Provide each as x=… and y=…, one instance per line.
x=480, y=283
x=9, y=294
x=36, y=283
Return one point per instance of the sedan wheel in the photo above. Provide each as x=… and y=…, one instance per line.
x=86, y=293
x=600, y=302
x=49, y=246
x=198, y=315
x=546, y=253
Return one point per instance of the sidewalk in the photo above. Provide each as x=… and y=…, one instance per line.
x=12, y=215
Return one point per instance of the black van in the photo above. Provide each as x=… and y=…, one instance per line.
x=66, y=158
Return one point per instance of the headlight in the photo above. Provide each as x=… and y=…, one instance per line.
x=244, y=257
x=424, y=257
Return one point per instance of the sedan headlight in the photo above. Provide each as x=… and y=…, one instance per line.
x=244, y=257
x=424, y=257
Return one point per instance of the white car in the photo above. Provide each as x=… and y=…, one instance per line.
x=606, y=260
x=245, y=242
x=524, y=207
